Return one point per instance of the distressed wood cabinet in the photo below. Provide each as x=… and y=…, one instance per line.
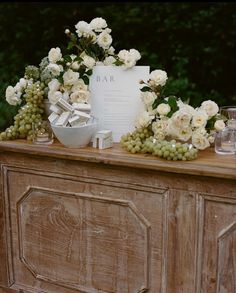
x=91, y=221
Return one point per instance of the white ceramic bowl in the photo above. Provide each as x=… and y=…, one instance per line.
x=77, y=136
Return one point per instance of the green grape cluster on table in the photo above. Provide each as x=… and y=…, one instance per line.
x=31, y=112
x=143, y=141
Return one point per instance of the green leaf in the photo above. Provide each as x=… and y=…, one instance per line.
x=172, y=101
x=85, y=79
x=89, y=72
x=146, y=89
x=118, y=63
x=67, y=58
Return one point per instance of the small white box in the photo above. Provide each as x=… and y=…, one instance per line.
x=55, y=109
x=82, y=107
x=63, y=119
x=64, y=105
x=53, y=117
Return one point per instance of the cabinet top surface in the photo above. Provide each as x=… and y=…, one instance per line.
x=208, y=162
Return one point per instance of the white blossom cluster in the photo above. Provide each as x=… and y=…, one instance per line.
x=14, y=94
x=71, y=87
x=99, y=33
x=186, y=124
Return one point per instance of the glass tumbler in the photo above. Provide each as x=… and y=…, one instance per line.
x=42, y=133
x=225, y=140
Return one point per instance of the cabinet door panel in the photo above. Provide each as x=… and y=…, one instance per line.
x=84, y=234
x=218, y=247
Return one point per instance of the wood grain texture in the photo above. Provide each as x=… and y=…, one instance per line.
x=91, y=221
x=226, y=277
x=208, y=163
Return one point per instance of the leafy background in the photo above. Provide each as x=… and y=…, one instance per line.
x=194, y=42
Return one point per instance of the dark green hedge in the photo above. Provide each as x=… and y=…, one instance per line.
x=194, y=42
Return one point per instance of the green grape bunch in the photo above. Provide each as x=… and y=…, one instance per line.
x=143, y=141
x=31, y=112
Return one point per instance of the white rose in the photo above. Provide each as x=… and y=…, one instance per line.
x=23, y=82
x=70, y=77
x=200, y=141
x=111, y=51
x=163, y=109
x=10, y=91
x=158, y=77
x=199, y=119
x=181, y=119
x=83, y=28
x=65, y=96
x=148, y=98
x=135, y=54
x=54, y=69
x=54, y=96
x=79, y=85
x=17, y=87
x=185, y=107
x=129, y=62
x=109, y=60
x=98, y=24
x=210, y=107
x=144, y=120
x=54, y=55
x=80, y=97
x=13, y=100
x=88, y=61
x=219, y=125
x=183, y=134
x=104, y=40
x=159, y=128
x=123, y=54
x=54, y=85
x=75, y=65
x=11, y=97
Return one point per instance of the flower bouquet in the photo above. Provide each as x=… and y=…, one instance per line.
x=170, y=128
x=64, y=80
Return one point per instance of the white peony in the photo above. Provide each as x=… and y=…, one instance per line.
x=163, y=109
x=88, y=61
x=200, y=141
x=199, y=119
x=54, y=55
x=210, y=107
x=144, y=120
x=54, y=85
x=219, y=125
x=98, y=24
x=54, y=96
x=80, y=96
x=54, y=69
x=158, y=77
x=148, y=98
x=109, y=60
x=104, y=40
x=70, y=77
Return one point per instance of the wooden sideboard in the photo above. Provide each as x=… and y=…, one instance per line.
x=106, y=221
